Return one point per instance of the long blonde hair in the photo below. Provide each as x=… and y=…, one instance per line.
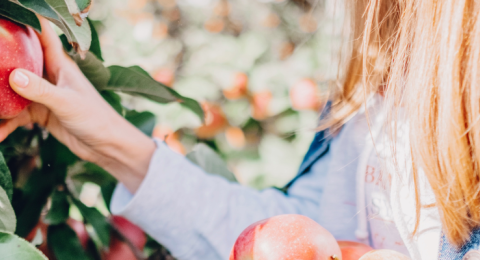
x=424, y=54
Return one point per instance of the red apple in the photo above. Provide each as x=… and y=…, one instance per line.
x=304, y=95
x=76, y=225
x=261, y=104
x=80, y=230
x=384, y=255
x=286, y=237
x=20, y=48
x=353, y=250
x=171, y=138
x=165, y=76
x=215, y=121
x=235, y=137
x=239, y=87
x=119, y=249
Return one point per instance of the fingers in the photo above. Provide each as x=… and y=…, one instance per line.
x=52, y=46
x=8, y=126
x=34, y=88
x=54, y=55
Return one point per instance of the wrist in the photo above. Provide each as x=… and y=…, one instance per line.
x=127, y=154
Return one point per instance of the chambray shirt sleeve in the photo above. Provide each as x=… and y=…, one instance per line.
x=199, y=216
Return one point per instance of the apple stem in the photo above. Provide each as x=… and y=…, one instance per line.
x=334, y=257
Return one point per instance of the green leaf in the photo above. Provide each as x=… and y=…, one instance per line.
x=83, y=4
x=144, y=121
x=95, y=45
x=59, y=210
x=64, y=243
x=97, y=220
x=107, y=192
x=5, y=178
x=8, y=221
x=135, y=81
x=93, y=69
x=40, y=7
x=28, y=205
x=95, y=174
x=56, y=158
x=113, y=99
x=210, y=162
x=14, y=247
x=80, y=36
x=66, y=45
x=19, y=14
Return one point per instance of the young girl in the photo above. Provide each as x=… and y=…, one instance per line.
x=397, y=163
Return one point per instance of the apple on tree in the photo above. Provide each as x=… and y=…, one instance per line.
x=20, y=48
x=215, y=121
x=119, y=249
x=42, y=227
x=304, y=95
x=239, y=87
x=286, y=237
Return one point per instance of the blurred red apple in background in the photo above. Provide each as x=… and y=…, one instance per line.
x=42, y=227
x=384, y=255
x=239, y=87
x=121, y=250
x=304, y=95
x=286, y=237
x=260, y=103
x=235, y=137
x=353, y=250
x=171, y=138
x=20, y=48
x=165, y=76
x=215, y=121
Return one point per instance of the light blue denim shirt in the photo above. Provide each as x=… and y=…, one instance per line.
x=449, y=252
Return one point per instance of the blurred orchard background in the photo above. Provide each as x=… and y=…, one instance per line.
x=261, y=69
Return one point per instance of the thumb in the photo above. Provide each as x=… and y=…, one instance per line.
x=35, y=88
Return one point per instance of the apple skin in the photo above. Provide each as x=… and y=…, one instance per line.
x=285, y=237
x=120, y=250
x=353, y=250
x=384, y=254
x=20, y=48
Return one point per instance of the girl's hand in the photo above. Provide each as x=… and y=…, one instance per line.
x=75, y=113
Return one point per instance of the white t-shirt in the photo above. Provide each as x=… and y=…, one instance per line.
x=390, y=191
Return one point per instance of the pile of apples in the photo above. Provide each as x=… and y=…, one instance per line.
x=298, y=237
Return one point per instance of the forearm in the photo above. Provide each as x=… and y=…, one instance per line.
x=126, y=154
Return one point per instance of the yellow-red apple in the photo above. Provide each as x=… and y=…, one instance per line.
x=384, y=254
x=286, y=237
x=353, y=250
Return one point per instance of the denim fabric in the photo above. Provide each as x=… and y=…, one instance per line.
x=449, y=252
x=318, y=148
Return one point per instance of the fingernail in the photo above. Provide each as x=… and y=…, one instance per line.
x=20, y=79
